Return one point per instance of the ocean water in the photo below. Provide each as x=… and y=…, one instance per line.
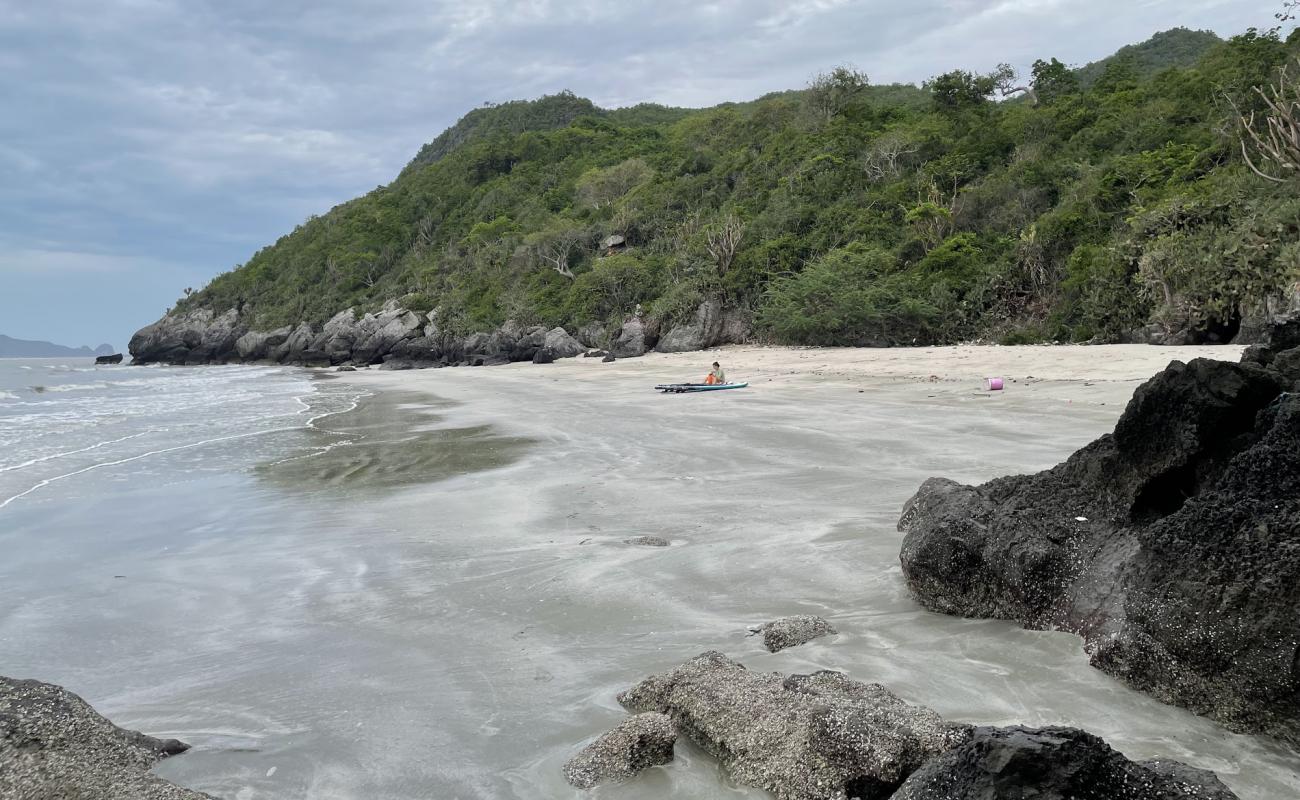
x=345, y=589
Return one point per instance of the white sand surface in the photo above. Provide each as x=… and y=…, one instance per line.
x=780, y=498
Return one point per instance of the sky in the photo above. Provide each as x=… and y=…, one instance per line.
x=149, y=145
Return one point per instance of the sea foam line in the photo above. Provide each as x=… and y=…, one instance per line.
x=73, y=452
x=310, y=423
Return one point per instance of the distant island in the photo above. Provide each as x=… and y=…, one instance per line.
x=25, y=348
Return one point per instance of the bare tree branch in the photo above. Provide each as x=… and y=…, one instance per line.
x=1274, y=141
x=1004, y=78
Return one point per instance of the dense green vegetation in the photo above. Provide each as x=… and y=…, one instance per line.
x=844, y=213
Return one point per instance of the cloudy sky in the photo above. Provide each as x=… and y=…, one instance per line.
x=148, y=145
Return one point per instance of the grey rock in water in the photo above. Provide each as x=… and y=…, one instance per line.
x=802, y=737
x=648, y=541
x=608, y=359
x=793, y=631
x=345, y=368
x=115, y=358
x=638, y=743
x=1052, y=764
x=54, y=745
x=1172, y=546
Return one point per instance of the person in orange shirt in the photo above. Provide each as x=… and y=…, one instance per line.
x=716, y=376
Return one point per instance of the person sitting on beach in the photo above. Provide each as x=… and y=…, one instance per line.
x=716, y=376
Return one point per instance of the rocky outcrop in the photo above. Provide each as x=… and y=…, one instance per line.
x=799, y=736
x=115, y=358
x=638, y=743
x=54, y=745
x=593, y=335
x=195, y=337
x=559, y=342
x=793, y=631
x=710, y=327
x=1172, y=546
x=404, y=338
x=633, y=340
x=825, y=736
x=1052, y=764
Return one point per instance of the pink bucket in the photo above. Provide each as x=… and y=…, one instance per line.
x=993, y=384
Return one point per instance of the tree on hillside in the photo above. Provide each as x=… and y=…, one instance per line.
x=960, y=89
x=553, y=246
x=599, y=188
x=1005, y=79
x=1053, y=79
x=1271, y=145
x=885, y=157
x=722, y=240
x=832, y=92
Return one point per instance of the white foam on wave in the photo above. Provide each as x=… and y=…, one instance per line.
x=305, y=408
x=71, y=387
x=7, y=395
x=52, y=456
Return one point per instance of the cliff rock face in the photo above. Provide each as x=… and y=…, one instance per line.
x=710, y=327
x=1172, y=546
x=399, y=338
x=54, y=745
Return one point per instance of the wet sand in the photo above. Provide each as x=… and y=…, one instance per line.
x=507, y=611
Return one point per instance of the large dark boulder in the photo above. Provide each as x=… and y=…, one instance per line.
x=801, y=737
x=115, y=358
x=1172, y=546
x=1052, y=764
x=54, y=745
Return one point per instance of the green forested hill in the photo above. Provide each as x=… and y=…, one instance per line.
x=1177, y=47
x=842, y=213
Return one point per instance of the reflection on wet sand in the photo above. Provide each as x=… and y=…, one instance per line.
x=391, y=440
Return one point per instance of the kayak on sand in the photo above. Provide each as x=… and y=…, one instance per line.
x=679, y=388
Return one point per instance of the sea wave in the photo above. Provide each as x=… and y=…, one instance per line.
x=70, y=387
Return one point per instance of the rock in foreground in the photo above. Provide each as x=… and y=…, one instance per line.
x=1052, y=764
x=793, y=631
x=801, y=737
x=1172, y=545
x=54, y=745
x=827, y=737
x=638, y=743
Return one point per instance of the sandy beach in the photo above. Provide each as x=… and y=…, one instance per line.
x=418, y=584
x=778, y=499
